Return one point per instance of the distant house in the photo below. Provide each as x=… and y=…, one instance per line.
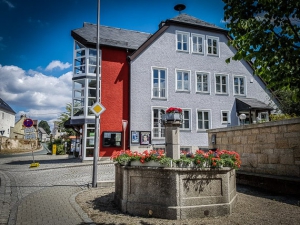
x=7, y=119
x=42, y=135
x=183, y=65
x=18, y=131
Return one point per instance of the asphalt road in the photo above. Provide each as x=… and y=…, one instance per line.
x=41, y=195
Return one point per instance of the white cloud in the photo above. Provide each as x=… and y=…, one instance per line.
x=59, y=64
x=41, y=97
x=10, y=5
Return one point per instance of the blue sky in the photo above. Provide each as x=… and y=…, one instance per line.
x=36, y=45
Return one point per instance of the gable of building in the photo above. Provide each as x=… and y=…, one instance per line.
x=5, y=107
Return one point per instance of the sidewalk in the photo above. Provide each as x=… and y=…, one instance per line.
x=51, y=204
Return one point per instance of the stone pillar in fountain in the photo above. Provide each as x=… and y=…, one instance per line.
x=172, y=138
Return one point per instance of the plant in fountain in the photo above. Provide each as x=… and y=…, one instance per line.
x=174, y=110
x=146, y=156
x=186, y=159
x=122, y=157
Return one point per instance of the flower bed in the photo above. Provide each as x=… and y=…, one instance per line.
x=199, y=159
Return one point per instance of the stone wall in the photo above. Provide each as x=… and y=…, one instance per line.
x=271, y=148
x=12, y=144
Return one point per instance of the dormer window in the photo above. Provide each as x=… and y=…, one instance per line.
x=212, y=46
x=182, y=41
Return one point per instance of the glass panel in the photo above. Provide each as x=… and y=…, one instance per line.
x=155, y=92
x=179, y=75
x=92, y=61
x=184, y=38
x=223, y=80
x=78, y=111
x=215, y=43
x=78, y=45
x=205, y=87
x=236, y=89
x=162, y=74
x=92, y=69
x=236, y=81
x=199, y=115
x=155, y=132
x=184, y=46
x=80, y=53
x=224, y=90
x=206, y=125
x=179, y=37
x=92, y=83
x=78, y=84
x=90, y=142
x=92, y=52
x=90, y=133
x=218, y=88
x=112, y=139
x=155, y=74
x=89, y=152
x=179, y=85
x=163, y=93
x=200, y=126
x=91, y=101
x=205, y=115
x=78, y=93
x=78, y=102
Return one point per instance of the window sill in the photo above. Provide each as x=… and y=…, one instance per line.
x=202, y=93
x=161, y=99
x=222, y=94
x=182, y=91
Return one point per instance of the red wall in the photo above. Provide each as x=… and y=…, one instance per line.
x=114, y=95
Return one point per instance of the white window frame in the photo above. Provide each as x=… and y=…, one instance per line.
x=208, y=81
x=239, y=87
x=186, y=119
x=202, y=43
x=160, y=126
x=209, y=119
x=266, y=114
x=212, y=38
x=221, y=84
x=188, y=41
x=159, y=83
x=189, y=80
x=228, y=117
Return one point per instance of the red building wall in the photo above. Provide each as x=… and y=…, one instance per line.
x=114, y=95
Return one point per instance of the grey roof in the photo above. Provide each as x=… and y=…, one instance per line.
x=187, y=19
x=5, y=107
x=42, y=130
x=251, y=104
x=110, y=36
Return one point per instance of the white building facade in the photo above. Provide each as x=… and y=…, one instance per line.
x=183, y=65
x=7, y=119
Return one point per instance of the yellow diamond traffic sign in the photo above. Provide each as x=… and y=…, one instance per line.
x=97, y=108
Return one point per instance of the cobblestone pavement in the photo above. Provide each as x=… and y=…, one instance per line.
x=46, y=194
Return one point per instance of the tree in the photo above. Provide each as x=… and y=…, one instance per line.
x=267, y=33
x=63, y=118
x=44, y=124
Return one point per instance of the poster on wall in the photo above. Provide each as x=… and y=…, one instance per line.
x=145, y=138
x=135, y=137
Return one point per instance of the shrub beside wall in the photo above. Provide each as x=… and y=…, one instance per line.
x=266, y=148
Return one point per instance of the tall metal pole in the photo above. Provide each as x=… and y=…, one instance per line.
x=97, y=117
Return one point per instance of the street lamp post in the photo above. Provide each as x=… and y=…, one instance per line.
x=97, y=118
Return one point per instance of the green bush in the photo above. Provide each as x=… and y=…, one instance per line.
x=276, y=117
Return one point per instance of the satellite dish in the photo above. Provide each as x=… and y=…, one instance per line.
x=242, y=116
x=179, y=7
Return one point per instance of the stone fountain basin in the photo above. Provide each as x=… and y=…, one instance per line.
x=175, y=193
